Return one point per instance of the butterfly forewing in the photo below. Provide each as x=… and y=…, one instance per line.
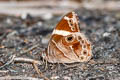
x=68, y=23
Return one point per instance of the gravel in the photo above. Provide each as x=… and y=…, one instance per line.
x=18, y=35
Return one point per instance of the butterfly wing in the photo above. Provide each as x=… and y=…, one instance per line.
x=64, y=46
x=68, y=23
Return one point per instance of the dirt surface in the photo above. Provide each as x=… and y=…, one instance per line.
x=27, y=36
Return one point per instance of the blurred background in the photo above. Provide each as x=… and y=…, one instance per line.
x=38, y=7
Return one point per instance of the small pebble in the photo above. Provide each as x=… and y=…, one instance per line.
x=67, y=78
x=47, y=16
x=106, y=34
x=54, y=77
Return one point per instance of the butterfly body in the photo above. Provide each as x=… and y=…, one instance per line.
x=67, y=43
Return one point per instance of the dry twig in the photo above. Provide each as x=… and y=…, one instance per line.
x=26, y=60
x=34, y=62
x=39, y=72
x=17, y=78
x=4, y=71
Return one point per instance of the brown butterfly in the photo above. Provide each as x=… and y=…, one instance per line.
x=67, y=43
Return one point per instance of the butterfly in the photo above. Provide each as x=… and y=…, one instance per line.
x=67, y=44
